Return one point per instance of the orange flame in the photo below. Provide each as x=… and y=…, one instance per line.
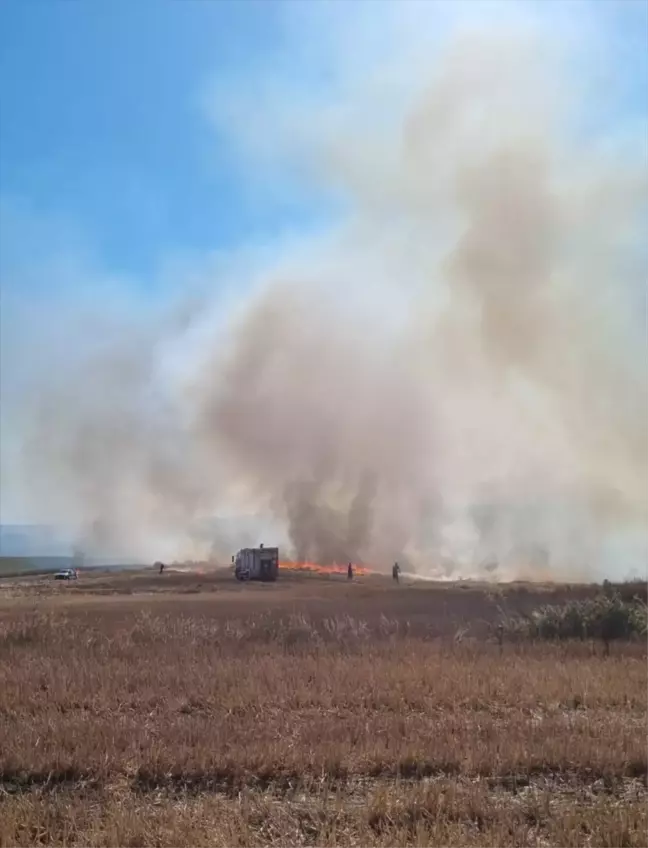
x=287, y=565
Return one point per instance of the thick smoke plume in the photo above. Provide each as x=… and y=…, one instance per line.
x=453, y=377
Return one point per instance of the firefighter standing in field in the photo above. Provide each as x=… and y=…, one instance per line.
x=395, y=571
x=350, y=572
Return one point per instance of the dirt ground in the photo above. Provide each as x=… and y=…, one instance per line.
x=436, y=608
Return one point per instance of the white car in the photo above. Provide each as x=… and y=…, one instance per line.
x=66, y=574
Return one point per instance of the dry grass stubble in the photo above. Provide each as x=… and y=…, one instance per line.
x=179, y=728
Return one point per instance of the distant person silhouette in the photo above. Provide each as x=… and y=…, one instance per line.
x=350, y=572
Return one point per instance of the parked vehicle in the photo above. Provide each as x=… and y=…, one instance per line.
x=66, y=574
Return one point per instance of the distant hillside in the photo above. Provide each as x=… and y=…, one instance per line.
x=33, y=540
x=15, y=566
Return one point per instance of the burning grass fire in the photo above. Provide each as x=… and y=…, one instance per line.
x=288, y=565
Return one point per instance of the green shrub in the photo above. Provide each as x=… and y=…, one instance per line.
x=605, y=617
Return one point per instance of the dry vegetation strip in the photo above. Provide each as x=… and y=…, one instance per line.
x=177, y=728
x=445, y=813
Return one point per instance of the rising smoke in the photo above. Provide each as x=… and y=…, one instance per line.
x=454, y=376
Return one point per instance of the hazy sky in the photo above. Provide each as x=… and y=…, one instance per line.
x=161, y=156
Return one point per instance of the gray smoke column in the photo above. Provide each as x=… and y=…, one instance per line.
x=453, y=376
x=321, y=416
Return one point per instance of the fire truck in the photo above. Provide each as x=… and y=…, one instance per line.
x=256, y=564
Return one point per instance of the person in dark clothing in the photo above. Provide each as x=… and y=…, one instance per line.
x=161, y=565
x=396, y=571
x=350, y=572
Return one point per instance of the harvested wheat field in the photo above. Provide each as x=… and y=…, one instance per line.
x=145, y=711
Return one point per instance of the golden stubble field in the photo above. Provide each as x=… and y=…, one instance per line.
x=187, y=709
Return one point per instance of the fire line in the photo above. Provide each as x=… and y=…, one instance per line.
x=323, y=569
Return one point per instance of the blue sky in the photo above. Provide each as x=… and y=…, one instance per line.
x=106, y=141
x=103, y=128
